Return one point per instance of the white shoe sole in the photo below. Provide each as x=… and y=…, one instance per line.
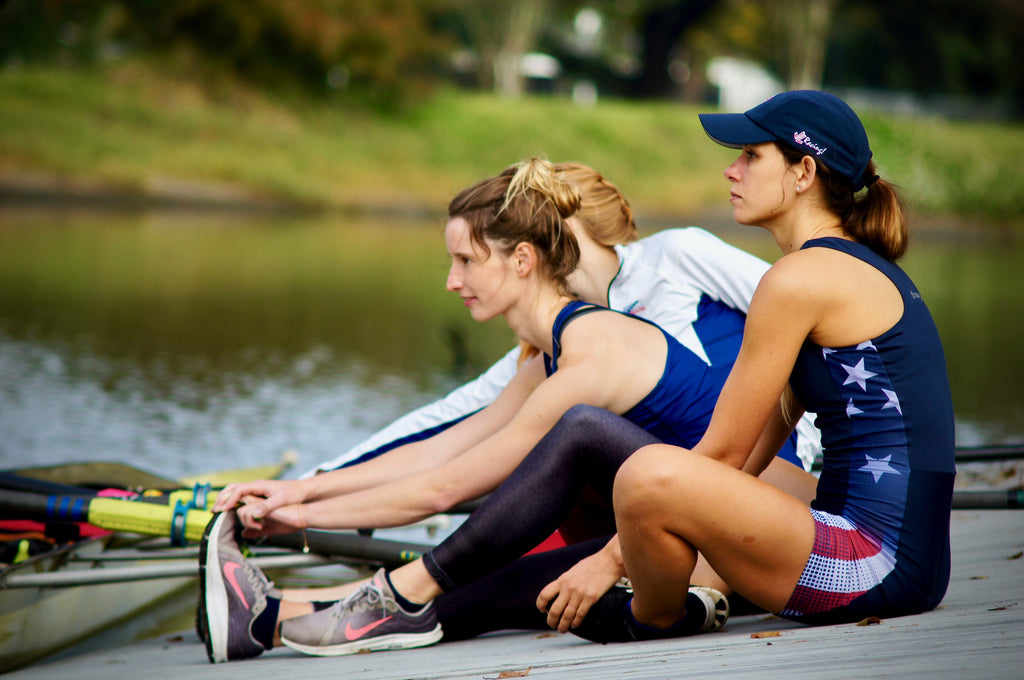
x=372, y=644
x=216, y=596
x=716, y=604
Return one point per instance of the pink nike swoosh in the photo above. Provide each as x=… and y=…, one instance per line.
x=229, y=572
x=356, y=633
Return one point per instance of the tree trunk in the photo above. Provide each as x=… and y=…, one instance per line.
x=804, y=26
x=663, y=26
x=502, y=32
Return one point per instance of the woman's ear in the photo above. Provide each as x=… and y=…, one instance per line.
x=806, y=171
x=525, y=258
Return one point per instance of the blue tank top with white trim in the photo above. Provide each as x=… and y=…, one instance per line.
x=678, y=409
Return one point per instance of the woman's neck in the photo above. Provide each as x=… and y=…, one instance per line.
x=533, y=318
x=598, y=266
x=792, y=234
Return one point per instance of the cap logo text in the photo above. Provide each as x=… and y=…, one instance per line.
x=803, y=139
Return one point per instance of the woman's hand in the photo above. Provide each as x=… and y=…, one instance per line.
x=567, y=599
x=284, y=520
x=259, y=500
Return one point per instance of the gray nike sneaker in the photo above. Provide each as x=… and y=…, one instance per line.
x=368, y=620
x=233, y=592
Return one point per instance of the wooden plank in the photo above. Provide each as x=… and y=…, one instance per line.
x=977, y=633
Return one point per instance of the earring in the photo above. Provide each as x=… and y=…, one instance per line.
x=798, y=188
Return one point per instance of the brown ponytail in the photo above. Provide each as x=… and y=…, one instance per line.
x=604, y=212
x=879, y=218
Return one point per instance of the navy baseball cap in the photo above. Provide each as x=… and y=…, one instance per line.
x=817, y=123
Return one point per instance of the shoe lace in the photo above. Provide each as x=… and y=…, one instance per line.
x=259, y=584
x=363, y=599
x=265, y=584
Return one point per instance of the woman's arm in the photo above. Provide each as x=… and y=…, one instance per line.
x=415, y=458
x=592, y=371
x=778, y=428
x=783, y=312
x=568, y=599
x=477, y=471
x=459, y=403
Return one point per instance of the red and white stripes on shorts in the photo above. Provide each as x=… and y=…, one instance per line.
x=844, y=563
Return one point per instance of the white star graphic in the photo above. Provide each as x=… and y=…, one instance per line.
x=894, y=401
x=858, y=374
x=878, y=466
x=867, y=344
x=852, y=410
x=825, y=351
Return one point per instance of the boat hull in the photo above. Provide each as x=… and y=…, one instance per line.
x=38, y=622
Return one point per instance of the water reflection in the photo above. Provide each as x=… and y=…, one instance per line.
x=192, y=342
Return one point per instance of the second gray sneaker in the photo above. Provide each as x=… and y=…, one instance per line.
x=368, y=620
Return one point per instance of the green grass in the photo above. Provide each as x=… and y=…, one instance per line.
x=136, y=127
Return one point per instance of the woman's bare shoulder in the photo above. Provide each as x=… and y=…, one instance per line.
x=605, y=333
x=803, y=273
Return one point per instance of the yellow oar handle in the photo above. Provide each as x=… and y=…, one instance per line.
x=177, y=521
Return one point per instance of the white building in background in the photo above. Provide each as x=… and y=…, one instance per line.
x=741, y=84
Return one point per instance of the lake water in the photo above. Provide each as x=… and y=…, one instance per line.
x=186, y=342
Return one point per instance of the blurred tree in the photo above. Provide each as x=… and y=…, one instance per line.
x=935, y=49
x=661, y=27
x=384, y=51
x=373, y=50
x=60, y=31
x=501, y=32
x=803, y=33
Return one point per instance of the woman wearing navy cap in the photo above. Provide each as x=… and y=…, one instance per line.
x=835, y=327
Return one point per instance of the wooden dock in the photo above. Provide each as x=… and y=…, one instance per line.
x=977, y=633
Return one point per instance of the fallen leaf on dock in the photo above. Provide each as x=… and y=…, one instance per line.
x=512, y=674
x=870, y=621
x=765, y=634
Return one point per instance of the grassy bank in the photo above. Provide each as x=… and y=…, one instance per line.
x=132, y=128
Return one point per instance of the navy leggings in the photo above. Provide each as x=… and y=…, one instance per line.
x=487, y=587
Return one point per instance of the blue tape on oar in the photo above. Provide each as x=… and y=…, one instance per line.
x=67, y=508
x=178, y=523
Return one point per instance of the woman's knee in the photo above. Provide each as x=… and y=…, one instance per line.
x=587, y=418
x=649, y=478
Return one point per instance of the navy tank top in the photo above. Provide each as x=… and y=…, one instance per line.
x=886, y=418
x=678, y=409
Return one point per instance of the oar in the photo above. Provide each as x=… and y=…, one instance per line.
x=183, y=524
x=201, y=495
x=177, y=521
x=1003, y=499
x=175, y=569
x=15, y=482
x=991, y=452
x=350, y=546
x=108, y=478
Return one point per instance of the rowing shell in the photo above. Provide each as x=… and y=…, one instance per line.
x=39, y=620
